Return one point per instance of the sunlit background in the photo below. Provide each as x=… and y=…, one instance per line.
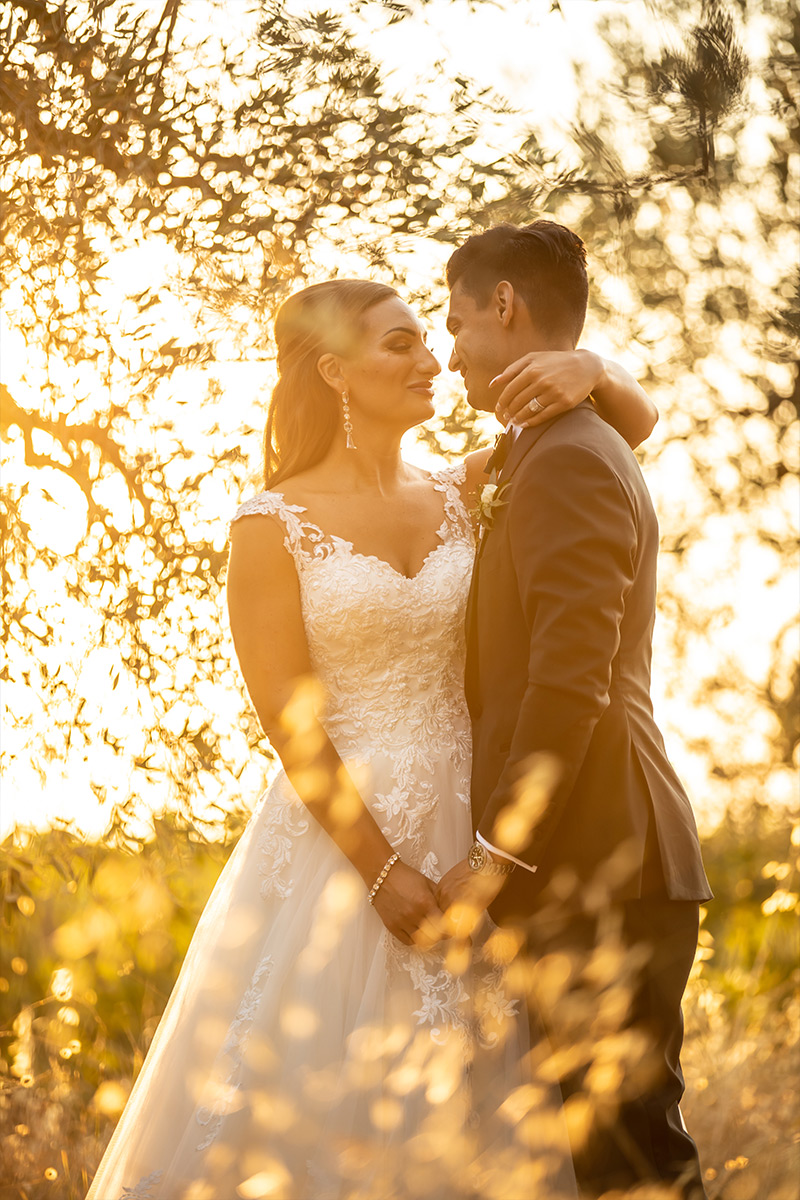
x=161, y=341
x=167, y=183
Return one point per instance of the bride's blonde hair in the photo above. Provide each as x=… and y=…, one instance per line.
x=305, y=412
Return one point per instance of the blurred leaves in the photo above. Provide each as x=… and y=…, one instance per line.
x=93, y=938
x=166, y=181
x=160, y=173
x=704, y=83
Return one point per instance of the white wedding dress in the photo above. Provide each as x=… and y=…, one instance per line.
x=305, y=1053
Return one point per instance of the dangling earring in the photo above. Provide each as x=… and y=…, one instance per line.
x=348, y=424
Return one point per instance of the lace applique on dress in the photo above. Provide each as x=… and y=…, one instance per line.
x=430, y=866
x=302, y=538
x=450, y=481
x=494, y=1006
x=234, y=1048
x=444, y=1000
x=283, y=824
x=143, y=1190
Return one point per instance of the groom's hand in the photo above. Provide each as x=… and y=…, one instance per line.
x=556, y=379
x=464, y=895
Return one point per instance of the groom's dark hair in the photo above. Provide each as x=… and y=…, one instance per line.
x=544, y=262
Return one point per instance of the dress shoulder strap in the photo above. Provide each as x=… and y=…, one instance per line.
x=302, y=538
x=450, y=482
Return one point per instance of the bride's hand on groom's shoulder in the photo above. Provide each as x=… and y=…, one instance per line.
x=557, y=380
x=464, y=895
x=406, y=903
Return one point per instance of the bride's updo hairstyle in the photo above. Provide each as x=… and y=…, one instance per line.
x=305, y=413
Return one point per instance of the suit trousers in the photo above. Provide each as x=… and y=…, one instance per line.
x=606, y=988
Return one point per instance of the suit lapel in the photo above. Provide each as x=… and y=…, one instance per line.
x=527, y=438
x=524, y=442
x=510, y=456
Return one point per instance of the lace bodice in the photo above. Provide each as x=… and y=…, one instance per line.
x=389, y=649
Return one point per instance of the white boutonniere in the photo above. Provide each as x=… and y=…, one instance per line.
x=490, y=500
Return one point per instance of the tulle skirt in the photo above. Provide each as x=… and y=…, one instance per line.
x=306, y=1054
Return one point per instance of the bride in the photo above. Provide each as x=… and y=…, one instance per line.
x=324, y=1037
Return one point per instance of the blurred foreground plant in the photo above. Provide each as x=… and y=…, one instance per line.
x=93, y=938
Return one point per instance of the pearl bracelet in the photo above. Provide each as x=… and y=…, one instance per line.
x=376, y=887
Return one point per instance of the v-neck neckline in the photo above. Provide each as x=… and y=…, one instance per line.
x=345, y=543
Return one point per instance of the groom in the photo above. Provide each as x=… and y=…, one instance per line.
x=585, y=839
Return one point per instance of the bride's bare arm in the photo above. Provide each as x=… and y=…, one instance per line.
x=560, y=379
x=269, y=636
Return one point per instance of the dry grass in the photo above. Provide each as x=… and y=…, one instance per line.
x=80, y=995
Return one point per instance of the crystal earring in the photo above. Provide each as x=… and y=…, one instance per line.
x=348, y=424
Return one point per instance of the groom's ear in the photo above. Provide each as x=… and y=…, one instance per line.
x=330, y=368
x=504, y=302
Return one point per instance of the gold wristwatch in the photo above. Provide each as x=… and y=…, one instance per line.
x=480, y=860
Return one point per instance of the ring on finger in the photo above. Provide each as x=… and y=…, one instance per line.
x=534, y=406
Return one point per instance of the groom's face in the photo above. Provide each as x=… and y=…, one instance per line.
x=479, y=346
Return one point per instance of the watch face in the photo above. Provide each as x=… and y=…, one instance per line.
x=476, y=857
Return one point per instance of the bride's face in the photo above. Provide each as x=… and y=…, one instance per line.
x=389, y=376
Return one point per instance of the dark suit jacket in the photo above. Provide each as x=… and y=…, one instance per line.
x=560, y=625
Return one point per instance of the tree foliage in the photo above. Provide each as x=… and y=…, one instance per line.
x=221, y=156
x=167, y=180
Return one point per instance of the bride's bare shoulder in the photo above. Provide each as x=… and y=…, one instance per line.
x=309, y=486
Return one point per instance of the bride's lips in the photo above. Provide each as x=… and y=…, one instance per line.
x=424, y=388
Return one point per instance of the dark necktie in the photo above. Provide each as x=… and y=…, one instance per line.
x=502, y=445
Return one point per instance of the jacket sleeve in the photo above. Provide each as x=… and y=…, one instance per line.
x=573, y=539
